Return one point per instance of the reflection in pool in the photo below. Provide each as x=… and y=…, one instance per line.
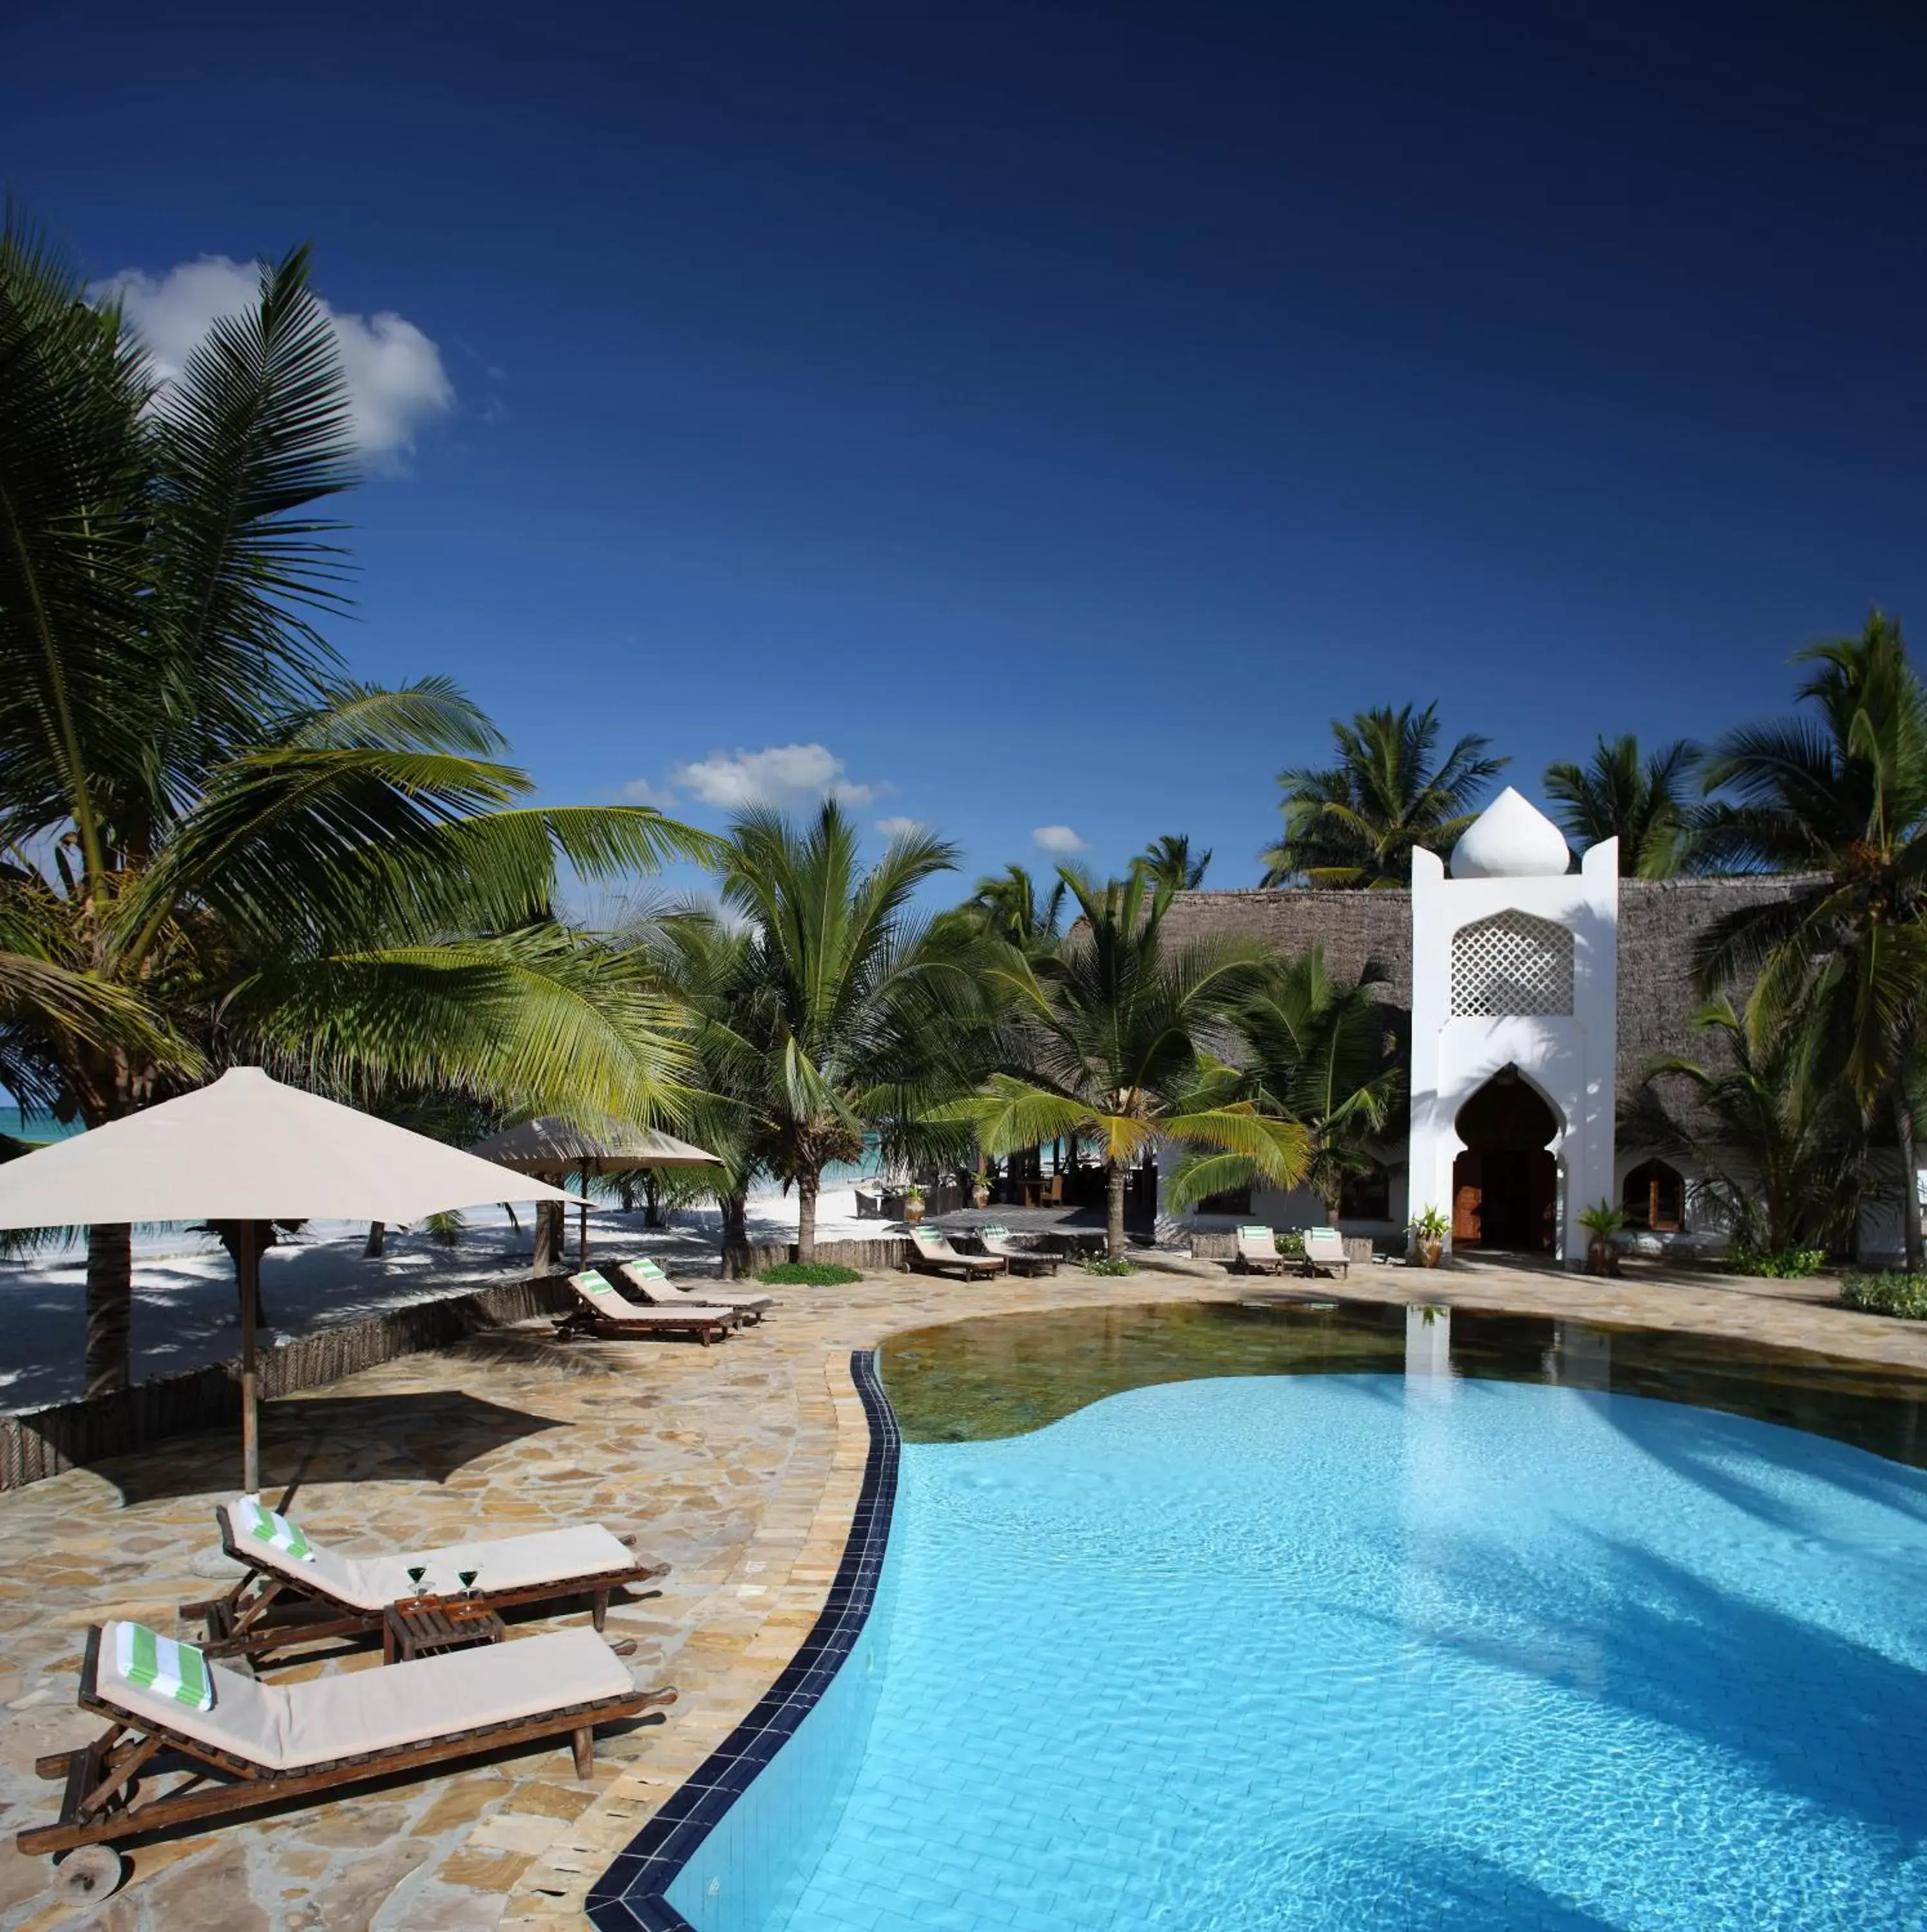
x=1001, y=1374
x=1273, y=1620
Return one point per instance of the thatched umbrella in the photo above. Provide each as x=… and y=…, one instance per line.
x=247, y=1149
x=556, y=1148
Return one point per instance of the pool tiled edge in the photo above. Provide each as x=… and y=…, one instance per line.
x=632, y=1893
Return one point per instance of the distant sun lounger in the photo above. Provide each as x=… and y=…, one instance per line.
x=1257, y=1251
x=297, y=1590
x=1325, y=1248
x=931, y=1253
x=997, y=1240
x=605, y=1313
x=240, y=1744
x=652, y=1285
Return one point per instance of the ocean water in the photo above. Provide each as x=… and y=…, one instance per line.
x=1364, y=1653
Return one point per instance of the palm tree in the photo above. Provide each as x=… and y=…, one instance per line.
x=707, y=961
x=852, y=1012
x=1356, y=822
x=211, y=844
x=1784, y=1154
x=1008, y=905
x=1167, y=861
x=1641, y=804
x=1315, y=1051
x=1839, y=797
x=1103, y=1044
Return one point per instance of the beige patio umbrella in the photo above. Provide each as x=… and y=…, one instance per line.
x=552, y=1146
x=246, y=1148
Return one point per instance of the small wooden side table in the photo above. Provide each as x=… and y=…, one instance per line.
x=426, y=1626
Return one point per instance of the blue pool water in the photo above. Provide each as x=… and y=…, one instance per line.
x=1346, y=1652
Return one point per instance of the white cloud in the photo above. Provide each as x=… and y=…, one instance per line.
x=779, y=775
x=900, y=828
x=640, y=791
x=1056, y=838
x=396, y=381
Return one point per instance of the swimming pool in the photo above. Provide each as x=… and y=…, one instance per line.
x=1366, y=1645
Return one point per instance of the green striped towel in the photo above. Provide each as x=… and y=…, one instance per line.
x=994, y=1230
x=591, y=1279
x=647, y=1269
x=1255, y=1234
x=270, y=1528
x=924, y=1234
x=159, y=1664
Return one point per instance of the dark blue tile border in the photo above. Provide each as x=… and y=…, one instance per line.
x=630, y=1894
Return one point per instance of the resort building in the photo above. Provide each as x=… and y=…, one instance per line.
x=1527, y=993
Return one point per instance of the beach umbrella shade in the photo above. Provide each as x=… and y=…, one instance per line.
x=552, y=1146
x=246, y=1148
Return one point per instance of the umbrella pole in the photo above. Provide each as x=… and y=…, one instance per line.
x=582, y=1223
x=248, y=1266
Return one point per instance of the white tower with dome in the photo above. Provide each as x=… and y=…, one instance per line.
x=1515, y=1033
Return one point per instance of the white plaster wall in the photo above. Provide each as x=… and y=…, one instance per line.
x=1571, y=1061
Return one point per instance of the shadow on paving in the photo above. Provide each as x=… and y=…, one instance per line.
x=336, y=1438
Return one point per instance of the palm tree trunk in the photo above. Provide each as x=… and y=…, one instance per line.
x=548, y=1237
x=110, y=1306
x=735, y=1236
x=1115, y=1174
x=805, y=1226
x=377, y=1241
x=652, y=1211
x=1910, y=1185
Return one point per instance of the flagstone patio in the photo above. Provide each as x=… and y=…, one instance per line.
x=738, y=1464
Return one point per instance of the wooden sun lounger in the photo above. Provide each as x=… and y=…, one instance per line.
x=604, y=1313
x=931, y=1253
x=102, y=1804
x=997, y=1241
x=282, y=1601
x=1257, y=1251
x=648, y=1283
x=1325, y=1249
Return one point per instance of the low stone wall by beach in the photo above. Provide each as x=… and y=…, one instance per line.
x=45, y=1441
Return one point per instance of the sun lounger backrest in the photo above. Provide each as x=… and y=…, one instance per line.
x=644, y=1269
x=1257, y=1241
x=931, y=1240
x=1324, y=1244
x=323, y=1569
x=248, y=1720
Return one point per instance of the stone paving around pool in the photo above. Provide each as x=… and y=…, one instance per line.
x=740, y=1465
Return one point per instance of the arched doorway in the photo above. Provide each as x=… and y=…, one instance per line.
x=1505, y=1184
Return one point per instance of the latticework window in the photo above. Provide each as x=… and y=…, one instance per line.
x=1512, y=963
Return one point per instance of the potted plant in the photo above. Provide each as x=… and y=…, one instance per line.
x=912, y=1203
x=1429, y=1230
x=980, y=1191
x=1604, y=1224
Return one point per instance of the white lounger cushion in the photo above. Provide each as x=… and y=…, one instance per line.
x=557, y=1556
x=287, y=1726
x=610, y=1307
x=648, y=1281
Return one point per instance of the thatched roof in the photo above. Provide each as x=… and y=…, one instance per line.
x=1659, y=921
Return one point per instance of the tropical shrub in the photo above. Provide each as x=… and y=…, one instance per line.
x=1776, y=1264
x=1291, y=1243
x=1104, y=1264
x=809, y=1274
x=1892, y=1293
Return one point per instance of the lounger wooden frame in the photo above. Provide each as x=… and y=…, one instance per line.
x=268, y=1609
x=749, y=1310
x=651, y=1321
x=972, y=1267
x=99, y=1805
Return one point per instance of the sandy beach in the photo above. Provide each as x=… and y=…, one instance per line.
x=184, y=1308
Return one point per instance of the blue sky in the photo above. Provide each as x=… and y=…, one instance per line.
x=1056, y=414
